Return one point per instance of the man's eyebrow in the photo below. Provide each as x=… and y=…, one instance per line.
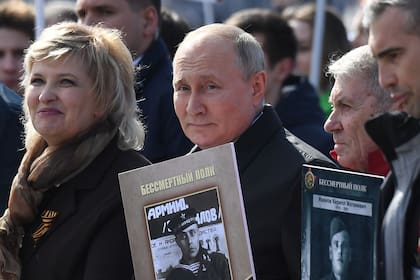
x=386, y=52
x=344, y=100
x=95, y=8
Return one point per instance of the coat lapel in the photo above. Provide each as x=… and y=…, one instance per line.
x=60, y=203
x=265, y=127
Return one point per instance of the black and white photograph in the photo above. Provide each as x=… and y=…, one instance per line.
x=186, y=218
x=341, y=247
x=340, y=217
x=187, y=237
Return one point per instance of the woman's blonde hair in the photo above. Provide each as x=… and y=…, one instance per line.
x=108, y=63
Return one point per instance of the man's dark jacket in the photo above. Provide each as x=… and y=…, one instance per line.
x=398, y=136
x=300, y=112
x=11, y=143
x=154, y=93
x=270, y=170
x=270, y=162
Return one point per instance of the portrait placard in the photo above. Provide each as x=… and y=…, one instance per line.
x=206, y=181
x=340, y=214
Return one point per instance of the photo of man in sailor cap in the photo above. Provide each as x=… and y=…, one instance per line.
x=196, y=261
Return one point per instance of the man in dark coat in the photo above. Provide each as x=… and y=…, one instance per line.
x=139, y=21
x=164, y=137
x=11, y=141
x=219, y=82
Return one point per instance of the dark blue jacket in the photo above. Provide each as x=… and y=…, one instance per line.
x=154, y=93
x=11, y=144
x=300, y=113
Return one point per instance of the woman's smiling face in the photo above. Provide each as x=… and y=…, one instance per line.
x=60, y=100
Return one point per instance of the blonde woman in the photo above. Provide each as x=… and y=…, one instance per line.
x=82, y=129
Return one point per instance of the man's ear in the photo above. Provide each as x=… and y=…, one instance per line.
x=258, y=85
x=282, y=69
x=151, y=21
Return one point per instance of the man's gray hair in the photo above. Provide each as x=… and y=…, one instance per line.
x=360, y=62
x=411, y=9
x=249, y=54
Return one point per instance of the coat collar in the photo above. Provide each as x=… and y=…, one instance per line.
x=64, y=204
x=391, y=130
x=248, y=145
x=156, y=54
x=91, y=176
x=377, y=163
x=88, y=179
x=265, y=126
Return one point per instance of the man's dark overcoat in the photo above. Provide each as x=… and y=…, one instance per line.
x=154, y=93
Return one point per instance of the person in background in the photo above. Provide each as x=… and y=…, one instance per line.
x=173, y=29
x=59, y=10
x=82, y=129
x=355, y=97
x=219, y=83
x=334, y=43
x=281, y=5
x=360, y=34
x=293, y=97
x=17, y=24
x=196, y=262
x=139, y=21
x=11, y=142
x=394, y=38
